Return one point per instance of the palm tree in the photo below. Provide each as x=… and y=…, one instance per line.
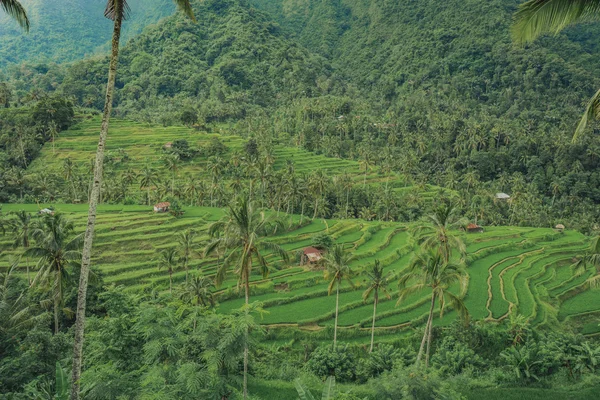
x=198, y=293
x=16, y=312
x=592, y=258
x=337, y=262
x=430, y=270
x=53, y=132
x=15, y=10
x=171, y=162
x=244, y=229
x=56, y=250
x=148, y=178
x=168, y=259
x=116, y=10
x=537, y=17
x=21, y=227
x=436, y=232
x=186, y=242
x=378, y=281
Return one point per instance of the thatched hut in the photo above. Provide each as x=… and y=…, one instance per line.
x=162, y=207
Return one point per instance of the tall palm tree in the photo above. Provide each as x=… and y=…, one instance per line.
x=337, y=262
x=148, y=177
x=430, y=270
x=186, y=242
x=15, y=10
x=244, y=229
x=116, y=10
x=21, y=227
x=436, y=231
x=57, y=250
x=537, y=17
x=167, y=259
x=171, y=162
x=197, y=292
x=378, y=282
x=592, y=258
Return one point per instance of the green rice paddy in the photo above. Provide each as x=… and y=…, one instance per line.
x=531, y=275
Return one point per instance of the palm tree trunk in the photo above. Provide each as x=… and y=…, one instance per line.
x=27, y=266
x=170, y=281
x=428, y=342
x=247, y=293
x=373, y=326
x=89, y=232
x=427, y=327
x=148, y=195
x=56, y=301
x=337, y=304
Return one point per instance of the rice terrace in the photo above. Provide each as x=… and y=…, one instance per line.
x=526, y=270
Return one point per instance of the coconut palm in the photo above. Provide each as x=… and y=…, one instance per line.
x=436, y=231
x=148, y=177
x=15, y=310
x=197, y=292
x=57, y=250
x=21, y=227
x=167, y=259
x=537, y=17
x=186, y=242
x=378, y=282
x=337, y=263
x=592, y=258
x=15, y=10
x=430, y=270
x=171, y=162
x=116, y=10
x=243, y=231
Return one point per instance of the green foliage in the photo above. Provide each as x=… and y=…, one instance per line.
x=338, y=363
x=322, y=240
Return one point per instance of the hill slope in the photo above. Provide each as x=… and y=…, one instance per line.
x=69, y=30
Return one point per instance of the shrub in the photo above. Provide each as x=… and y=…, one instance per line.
x=326, y=362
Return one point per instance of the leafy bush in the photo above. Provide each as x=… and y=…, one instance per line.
x=326, y=362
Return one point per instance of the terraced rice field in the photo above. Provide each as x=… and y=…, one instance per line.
x=144, y=143
x=522, y=269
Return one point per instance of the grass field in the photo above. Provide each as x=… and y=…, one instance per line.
x=509, y=268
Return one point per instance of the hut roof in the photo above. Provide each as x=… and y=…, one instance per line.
x=312, y=250
x=560, y=226
x=162, y=205
x=473, y=226
x=502, y=196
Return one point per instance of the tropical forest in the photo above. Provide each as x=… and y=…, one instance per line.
x=299, y=199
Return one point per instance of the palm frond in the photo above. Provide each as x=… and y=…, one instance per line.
x=537, y=17
x=186, y=7
x=16, y=11
x=116, y=7
x=592, y=112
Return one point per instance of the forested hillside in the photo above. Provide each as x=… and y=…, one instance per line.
x=436, y=92
x=69, y=30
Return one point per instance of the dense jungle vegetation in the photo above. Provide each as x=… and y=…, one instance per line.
x=375, y=134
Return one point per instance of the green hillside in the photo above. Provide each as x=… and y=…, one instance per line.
x=70, y=30
x=521, y=269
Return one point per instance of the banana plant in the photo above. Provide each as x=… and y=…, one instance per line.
x=327, y=394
